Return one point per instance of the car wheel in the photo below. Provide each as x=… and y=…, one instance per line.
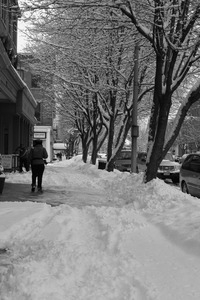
x=184, y=187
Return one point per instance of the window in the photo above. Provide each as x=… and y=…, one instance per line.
x=186, y=163
x=195, y=164
x=124, y=155
x=35, y=82
x=192, y=163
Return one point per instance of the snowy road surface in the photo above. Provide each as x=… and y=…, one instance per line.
x=112, y=238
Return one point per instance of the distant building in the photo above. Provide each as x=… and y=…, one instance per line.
x=45, y=109
x=44, y=112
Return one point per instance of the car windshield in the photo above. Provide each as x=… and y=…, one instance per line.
x=125, y=155
x=169, y=156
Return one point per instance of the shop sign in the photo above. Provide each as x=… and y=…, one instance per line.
x=39, y=135
x=6, y=161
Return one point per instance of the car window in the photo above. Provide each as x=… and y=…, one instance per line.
x=142, y=156
x=195, y=164
x=195, y=158
x=124, y=155
x=186, y=163
x=192, y=163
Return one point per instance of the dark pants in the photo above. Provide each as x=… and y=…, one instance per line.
x=23, y=163
x=37, y=172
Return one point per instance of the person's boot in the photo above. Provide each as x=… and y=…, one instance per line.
x=40, y=190
x=33, y=188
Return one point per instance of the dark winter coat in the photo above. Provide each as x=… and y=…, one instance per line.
x=37, y=155
x=23, y=152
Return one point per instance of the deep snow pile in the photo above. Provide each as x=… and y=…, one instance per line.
x=134, y=241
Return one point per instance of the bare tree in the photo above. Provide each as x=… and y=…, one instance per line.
x=92, y=64
x=171, y=27
x=174, y=36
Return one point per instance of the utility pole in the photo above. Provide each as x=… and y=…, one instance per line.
x=135, y=128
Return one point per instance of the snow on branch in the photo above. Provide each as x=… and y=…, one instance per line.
x=128, y=11
x=192, y=97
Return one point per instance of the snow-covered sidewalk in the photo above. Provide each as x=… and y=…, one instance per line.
x=111, y=238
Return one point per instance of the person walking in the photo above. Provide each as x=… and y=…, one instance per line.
x=37, y=156
x=23, y=158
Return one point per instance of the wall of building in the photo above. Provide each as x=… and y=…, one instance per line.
x=17, y=104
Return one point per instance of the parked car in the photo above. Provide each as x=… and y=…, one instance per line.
x=123, y=161
x=183, y=157
x=177, y=158
x=101, y=155
x=169, y=169
x=190, y=175
x=141, y=161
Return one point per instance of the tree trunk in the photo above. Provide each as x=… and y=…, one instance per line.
x=85, y=154
x=94, y=150
x=125, y=127
x=156, y=150
x=110, y=166
x=158, y=124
